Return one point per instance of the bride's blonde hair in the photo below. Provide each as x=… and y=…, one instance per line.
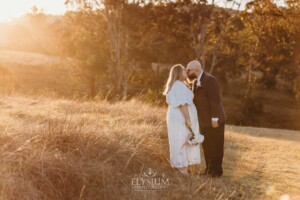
x=175, y=74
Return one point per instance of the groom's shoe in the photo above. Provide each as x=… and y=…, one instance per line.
x=216, y=174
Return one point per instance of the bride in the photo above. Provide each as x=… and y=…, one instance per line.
x=181, y=116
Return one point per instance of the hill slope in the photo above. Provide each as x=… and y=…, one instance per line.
x=63, y=149
x=35, y=73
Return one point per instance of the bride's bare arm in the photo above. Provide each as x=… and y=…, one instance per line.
x=185, y=112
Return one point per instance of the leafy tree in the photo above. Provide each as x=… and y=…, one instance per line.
x=85, y=39
x=268, y=41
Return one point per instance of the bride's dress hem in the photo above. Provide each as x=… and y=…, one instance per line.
x=191, y=163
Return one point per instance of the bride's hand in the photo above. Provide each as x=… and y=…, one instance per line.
x=188, y=123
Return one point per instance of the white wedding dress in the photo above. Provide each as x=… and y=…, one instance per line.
x=181, y=153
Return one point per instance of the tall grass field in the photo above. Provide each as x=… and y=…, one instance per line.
x=59, y=149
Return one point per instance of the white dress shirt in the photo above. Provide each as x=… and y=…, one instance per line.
x=199, y=78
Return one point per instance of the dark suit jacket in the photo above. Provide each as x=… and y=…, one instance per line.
x=207, y=100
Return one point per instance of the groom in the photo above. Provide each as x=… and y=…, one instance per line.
x=211, y=116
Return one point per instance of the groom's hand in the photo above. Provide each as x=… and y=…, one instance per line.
x=214, y=124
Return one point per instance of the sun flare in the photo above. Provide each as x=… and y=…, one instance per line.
x=16, y=8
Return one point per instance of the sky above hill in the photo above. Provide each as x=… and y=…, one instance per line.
x=15, y=8
x=10, y=9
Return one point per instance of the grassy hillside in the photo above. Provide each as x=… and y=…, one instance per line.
x=35, y=73
x=63, y=149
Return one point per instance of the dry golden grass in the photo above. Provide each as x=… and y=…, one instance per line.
x=63, y=149
x=35, y=73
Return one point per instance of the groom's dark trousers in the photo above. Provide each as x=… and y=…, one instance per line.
x=207, y=100
x=213, y=148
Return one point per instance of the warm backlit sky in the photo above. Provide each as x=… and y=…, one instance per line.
x=15, y=8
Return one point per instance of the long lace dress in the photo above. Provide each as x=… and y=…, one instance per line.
x=181, y=153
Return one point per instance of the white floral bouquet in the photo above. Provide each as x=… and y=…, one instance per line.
x=194, y=139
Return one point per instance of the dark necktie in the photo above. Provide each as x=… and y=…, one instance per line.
x=194, y=85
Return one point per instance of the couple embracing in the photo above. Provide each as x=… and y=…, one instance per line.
x=195, y=116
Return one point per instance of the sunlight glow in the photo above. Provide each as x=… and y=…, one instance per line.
x=15, y=8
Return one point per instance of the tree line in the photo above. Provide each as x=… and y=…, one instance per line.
x=117, y=40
